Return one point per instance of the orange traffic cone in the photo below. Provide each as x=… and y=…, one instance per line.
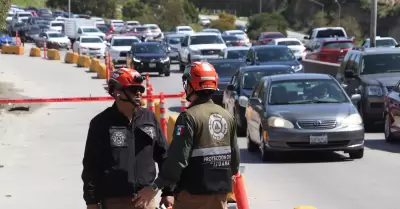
x=240, y=192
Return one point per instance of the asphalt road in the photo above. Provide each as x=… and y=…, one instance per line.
x=41, y=151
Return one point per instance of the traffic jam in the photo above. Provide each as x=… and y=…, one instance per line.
x=263, y=83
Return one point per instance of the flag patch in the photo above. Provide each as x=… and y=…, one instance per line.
x=180, y=130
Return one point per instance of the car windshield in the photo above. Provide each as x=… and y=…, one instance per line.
x=104, y=29
x=149, y=49
x=227, y=69
x=56, y=35
x=43, y=27
x=141, y=29
x=90, y=30
x=206, y=39
x=34, y=30
x=385, y=42
x=185, y=29
x=274, y=55
x=230, y=38
x=237, y=54
x=18, y=25
x=91, y=40
x=339, y=45
x=124, y=42
x=305, y=92
x=273, y=35
x=175, y=40
x=330, y=33
x=42, y=22
x=211, y=31
x=251, y=78
x=25, y=15
x=57, y=24
x=381, y=63
x=132, y=23
x=237, y=33
x=289, y=43
x=153, y=27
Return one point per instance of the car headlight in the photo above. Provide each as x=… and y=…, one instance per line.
x=374, y=91
x=297, y=68
x=136, y=60
x=166, y=59
x=278, y=122
x=195, y=52
x=352, y=120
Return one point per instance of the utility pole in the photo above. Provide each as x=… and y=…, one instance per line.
x=69, y=8
x=374, y=20
x=339, y=11
x=260, y=7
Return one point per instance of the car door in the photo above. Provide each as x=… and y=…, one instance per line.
x=184, y=51
x=250, y=57
x=229, y=95
x=351, y=84
x=40, y=39
x=253, y=110
x=392, y=106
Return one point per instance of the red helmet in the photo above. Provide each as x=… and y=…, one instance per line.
x=201, y=76
x=125, y=78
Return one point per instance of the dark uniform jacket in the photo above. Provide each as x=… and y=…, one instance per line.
x=204, y=153
x=120, y=156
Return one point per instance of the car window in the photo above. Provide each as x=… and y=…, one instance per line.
x=175, y=40
x=274, y=55
x=230, y=38
x=339, y=45
x=184, y=29
x=385, y=42
x=141, y=29
x=251, y=78
x=380, y=63
x=124, y=42
x=206, y=39
x=236, y=54
x=56, y=24
x=56, y=35
x=227, y=69
x=257, y=89
x=104, y=29
x=233, y=79
x=289, y=43
x=330, y=33
x=149, y=49
x=311, y=91
x=91, y=40
x=90, y=30
x=273, y=35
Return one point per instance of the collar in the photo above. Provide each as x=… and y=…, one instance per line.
x=138, y=112
x=199, y=101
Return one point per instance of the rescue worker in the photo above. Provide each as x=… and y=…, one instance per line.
x=123, y=144
x=204, y=153
x=22, y=37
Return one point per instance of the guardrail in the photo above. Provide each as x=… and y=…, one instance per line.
x=311, y=66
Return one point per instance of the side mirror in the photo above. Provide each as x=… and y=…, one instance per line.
x=397, y=45
x=230, y=87
x=249, y=61
x=255, y=101
x=355, y=97
x=243, y=101
x=306, y=37
x=183, y=44
x=299, y=58
x=349, y=74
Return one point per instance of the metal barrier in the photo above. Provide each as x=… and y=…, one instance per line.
x=311, y=66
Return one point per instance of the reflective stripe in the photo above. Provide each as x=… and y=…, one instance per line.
x=211, y=151
x=207, y=78
x=162, y=115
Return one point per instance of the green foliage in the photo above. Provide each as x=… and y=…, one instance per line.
x=4, y=5
x=222, y=25
x=320, y=20
x=266, y=22
x=173, y=14
x=133, y=9
x=191, y=12
x=33, y=3
x=196, y=27
x=227, y=18
x=351, y=25
x=100, y=8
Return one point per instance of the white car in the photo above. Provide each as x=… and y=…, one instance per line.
x=10, y=16
x=381, y=42
x=56, y=25
x=200, y=46
x=184, y=30
x=92, y=46
x=297, y=47
x=204, y=21
x=99, y=20
x=244, y=39
x=235, y=52
x=119, y=47
x=62, y=19
x=91, y=31
x=155, y=30
x=22, y=16
x=131, y=24
x=61, y=39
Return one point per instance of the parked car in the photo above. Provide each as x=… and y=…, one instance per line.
x=302, y=112
x=149, y=57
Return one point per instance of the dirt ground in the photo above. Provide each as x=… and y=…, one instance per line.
x=8, y=91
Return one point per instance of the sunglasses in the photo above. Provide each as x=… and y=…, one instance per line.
x=134, y=89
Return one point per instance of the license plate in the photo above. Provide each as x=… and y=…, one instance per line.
x=152, y=65
x=319, y=139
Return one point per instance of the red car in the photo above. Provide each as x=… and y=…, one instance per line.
x=33, y=12
x=330, y=50
x=266, y=37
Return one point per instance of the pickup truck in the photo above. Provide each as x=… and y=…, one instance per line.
x=326, y=32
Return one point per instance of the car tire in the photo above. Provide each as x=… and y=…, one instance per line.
x=368, y=125
x=181, y=64
x=388, y=134
x=357, y=154
x=251, y=146
x=167, y=73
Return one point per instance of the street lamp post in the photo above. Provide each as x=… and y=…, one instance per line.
x=339, y=10
x=69, y=8
x=319, y=3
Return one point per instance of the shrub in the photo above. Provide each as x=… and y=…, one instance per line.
x=266, y=22
x=222, y=25
x=227, y=17
x=196, y=27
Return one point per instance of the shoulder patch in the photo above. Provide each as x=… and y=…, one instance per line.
x=217, y=126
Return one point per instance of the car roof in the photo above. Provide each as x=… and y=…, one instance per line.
x=87, y=27
x=298, y=76
x=268, y=46
x=237, y=48
x=203, y=34
x=379, y=38
x=379, y=50
x=183, y=26
x=147, y=43
x=234, y=31
x=209, y=29
x=212, y=61
x=53, y=32
x=175, y=35
x=336, y=39
x=263, y=67
x=286, y=39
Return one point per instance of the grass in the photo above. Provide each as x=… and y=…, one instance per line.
x=33, y=3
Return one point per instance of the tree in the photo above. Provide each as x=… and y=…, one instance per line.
x=4, y=6
x=266, y=22
x=319, y=20
x=191, y=12
x=173, y=14
x=222, y=25
x=350, y=24
x=133, y=9
x=100, y=8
